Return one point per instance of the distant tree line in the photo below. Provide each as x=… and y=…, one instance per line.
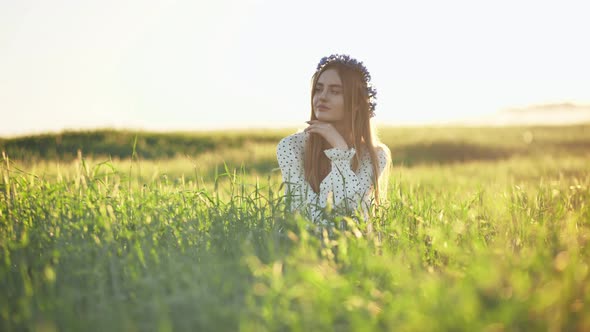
x=122, y=144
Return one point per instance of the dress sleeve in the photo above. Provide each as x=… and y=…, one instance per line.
x=350, y=189
x=299, y=194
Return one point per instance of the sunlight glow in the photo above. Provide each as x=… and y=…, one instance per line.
x=196, y=65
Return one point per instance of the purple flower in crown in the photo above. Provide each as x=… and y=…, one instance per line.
x=356, y=65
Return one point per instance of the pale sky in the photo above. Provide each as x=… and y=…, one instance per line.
x=184, y=65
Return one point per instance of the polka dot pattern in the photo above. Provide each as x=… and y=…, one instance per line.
x=342, y=188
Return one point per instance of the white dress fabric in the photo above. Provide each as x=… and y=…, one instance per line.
x=343, y=189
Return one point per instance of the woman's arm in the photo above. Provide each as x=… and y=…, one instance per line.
x=297, y=190
x=350, y=189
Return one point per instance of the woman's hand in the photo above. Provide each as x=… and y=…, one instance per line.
x=328, y=132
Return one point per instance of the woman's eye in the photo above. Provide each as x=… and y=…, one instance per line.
x=334, y=92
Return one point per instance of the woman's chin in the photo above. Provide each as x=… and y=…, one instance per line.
x=323, y=117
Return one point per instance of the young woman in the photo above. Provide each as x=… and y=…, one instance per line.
x=337, y=160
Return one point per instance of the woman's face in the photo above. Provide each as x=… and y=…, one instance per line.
x=328, y=100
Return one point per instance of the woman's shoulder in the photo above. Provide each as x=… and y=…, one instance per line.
x=382, y=150
x=292, y=144
x=294, y=141
x=382, y=153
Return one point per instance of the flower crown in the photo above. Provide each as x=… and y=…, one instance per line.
x=358, y=66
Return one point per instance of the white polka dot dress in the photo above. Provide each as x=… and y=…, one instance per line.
x=342, y=187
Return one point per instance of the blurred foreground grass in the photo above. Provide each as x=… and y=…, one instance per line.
x=472, y=239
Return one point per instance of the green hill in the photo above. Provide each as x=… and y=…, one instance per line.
x=408, y=145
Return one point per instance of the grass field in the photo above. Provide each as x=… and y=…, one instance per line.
x=486, y=229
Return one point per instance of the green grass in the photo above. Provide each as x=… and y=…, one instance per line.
x=470, y=240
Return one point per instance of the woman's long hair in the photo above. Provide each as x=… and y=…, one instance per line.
x=357, y=117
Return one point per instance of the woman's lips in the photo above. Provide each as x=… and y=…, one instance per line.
x=323, y=107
